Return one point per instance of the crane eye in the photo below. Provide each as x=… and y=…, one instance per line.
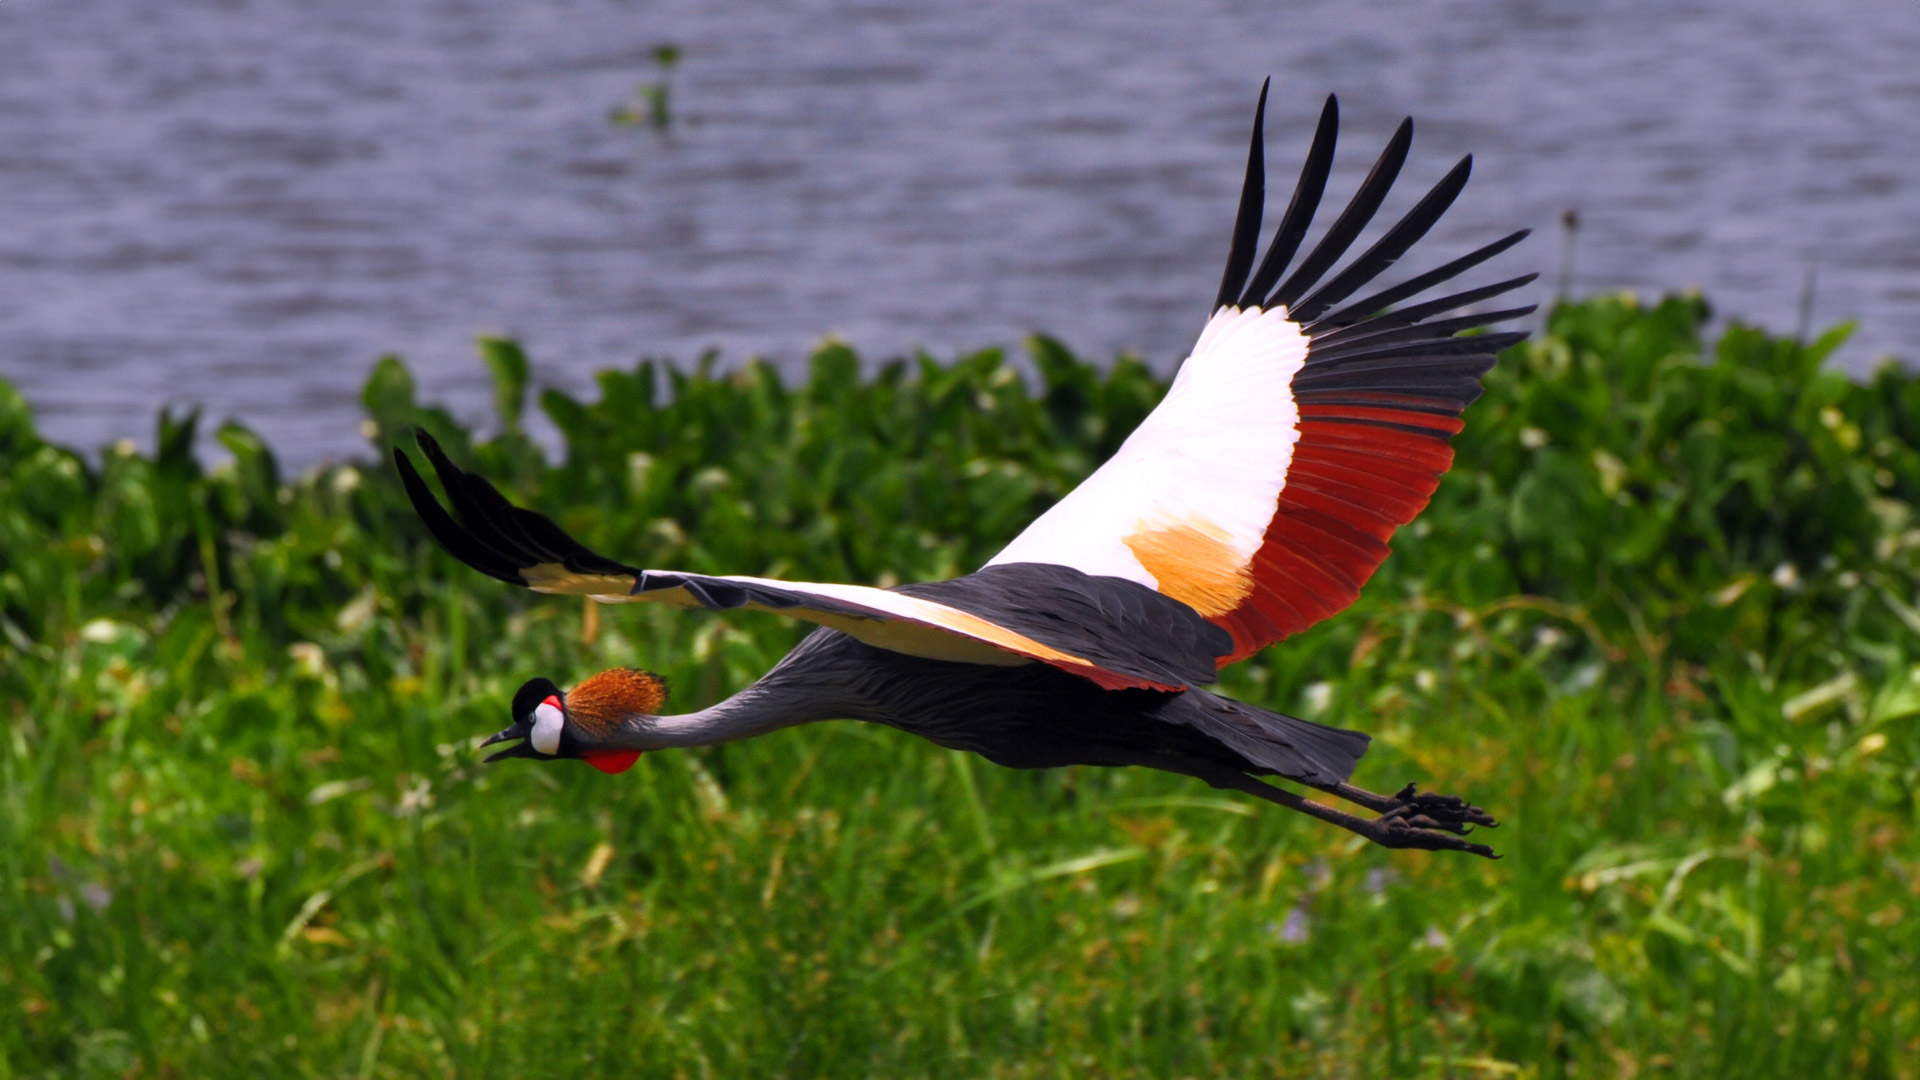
x=547, y=721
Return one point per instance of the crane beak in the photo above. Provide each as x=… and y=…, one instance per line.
x=520, y=730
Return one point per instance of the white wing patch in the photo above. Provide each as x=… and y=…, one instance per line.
x=1184, y=504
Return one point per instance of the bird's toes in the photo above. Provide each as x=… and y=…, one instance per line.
x=1424, y=834
x=1450, y=809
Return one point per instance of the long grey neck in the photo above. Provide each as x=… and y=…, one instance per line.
x=779, y=700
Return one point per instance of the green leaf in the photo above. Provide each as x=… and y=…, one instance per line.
x=508, y=365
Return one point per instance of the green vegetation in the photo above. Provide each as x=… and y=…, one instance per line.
x=1660, y=618
x=652, y=103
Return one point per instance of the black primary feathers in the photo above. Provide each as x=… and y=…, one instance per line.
x=1362, y=354
x=494, y=536
x=1312, y=312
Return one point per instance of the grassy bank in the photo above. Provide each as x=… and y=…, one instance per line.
x=1661, y=619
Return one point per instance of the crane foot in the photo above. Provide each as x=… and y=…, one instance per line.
x=1420, y=832
x=1410, y=818
x=1450, y=812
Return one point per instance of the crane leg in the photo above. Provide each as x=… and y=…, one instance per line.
x=1402, y=822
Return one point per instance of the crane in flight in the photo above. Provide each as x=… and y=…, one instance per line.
x=1254, y=501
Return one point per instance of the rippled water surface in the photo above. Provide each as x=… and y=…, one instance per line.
x=243, y=204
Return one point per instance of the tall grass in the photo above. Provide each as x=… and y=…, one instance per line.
x=1661, y=618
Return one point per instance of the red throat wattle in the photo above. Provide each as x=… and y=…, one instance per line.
x=611, y=762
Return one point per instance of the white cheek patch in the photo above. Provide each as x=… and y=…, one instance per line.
x=546, y=727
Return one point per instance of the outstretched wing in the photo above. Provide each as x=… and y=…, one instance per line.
x=528, y=549
x=1303, y=429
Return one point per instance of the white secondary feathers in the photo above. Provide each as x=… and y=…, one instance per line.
x=1212, y=457
x=546, y=727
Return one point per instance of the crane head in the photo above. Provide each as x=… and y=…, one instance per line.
x=549, y=724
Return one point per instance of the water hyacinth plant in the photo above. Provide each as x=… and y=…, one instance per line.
x=1663, y=612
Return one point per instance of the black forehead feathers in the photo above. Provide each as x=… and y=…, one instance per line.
x=532, y=693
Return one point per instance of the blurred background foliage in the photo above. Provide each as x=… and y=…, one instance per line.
x=1661, y=618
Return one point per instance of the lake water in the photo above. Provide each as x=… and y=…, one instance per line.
x=243, y=204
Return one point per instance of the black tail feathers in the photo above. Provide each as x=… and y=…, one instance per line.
x=1274, y=742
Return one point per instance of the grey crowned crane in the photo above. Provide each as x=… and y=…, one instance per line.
x=1255, y=501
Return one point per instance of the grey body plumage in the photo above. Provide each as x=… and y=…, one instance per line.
x=1035, y=717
